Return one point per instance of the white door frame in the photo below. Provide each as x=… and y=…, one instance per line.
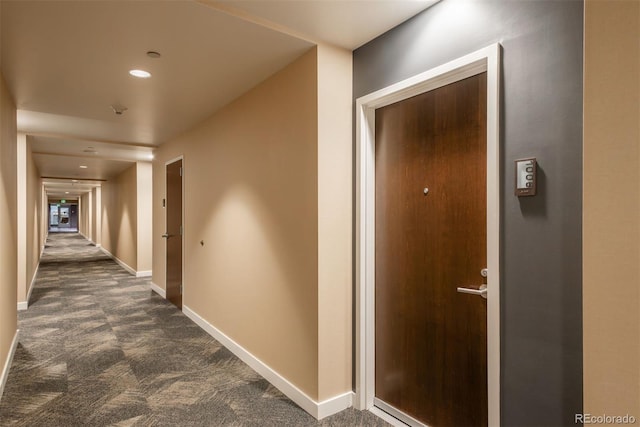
x=486, y=59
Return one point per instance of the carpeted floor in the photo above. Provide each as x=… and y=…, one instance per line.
x=98, y=348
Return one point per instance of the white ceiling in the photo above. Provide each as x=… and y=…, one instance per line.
x=67, y=62
x=345, y=23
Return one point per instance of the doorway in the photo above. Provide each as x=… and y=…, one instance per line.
x=174, y=232
x=434, y=136
x=430, y=352
x=63, y=217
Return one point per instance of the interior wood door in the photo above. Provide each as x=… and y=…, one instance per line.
x=173, y=234
x=430, y=340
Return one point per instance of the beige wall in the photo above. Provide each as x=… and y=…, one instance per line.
x=8, y=214
x=83, y=216
x=334, y=221
x=21, y=210
x=119, y=229
x=251, y=195
x=268, y=190
x=611, y=287
x=144, y=202
x=28, y=224
x=33, y=219
x=96, y=215
x=122, y=207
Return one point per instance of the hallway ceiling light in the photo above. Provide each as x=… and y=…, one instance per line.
x=83, y=166
x=66, y=192
x=140, y=74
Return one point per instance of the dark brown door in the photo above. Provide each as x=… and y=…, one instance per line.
x=431, y=341
x=173, y=234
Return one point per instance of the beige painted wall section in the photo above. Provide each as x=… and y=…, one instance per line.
x=21, y=209
x=144, y=194
x=8, y=215
x=611, y=287
x=83, y=220
x=33, y=218
x=96, y=213
x=251, y=196
x=119, y=229
x=334, y=221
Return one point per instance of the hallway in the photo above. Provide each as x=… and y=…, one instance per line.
x=98, y=348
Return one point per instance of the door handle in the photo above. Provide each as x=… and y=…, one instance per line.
x=166, y=236
x=482, y=291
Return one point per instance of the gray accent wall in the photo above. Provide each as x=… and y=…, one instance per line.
x=541, y=254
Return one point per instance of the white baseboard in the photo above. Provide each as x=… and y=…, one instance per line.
x=86, y=237
x=98, y=245
x=23, y=305
x=119, y=261
x=158, y=290
x=145, y=273
x=7, y=363
x=318, y=410
x=335, y=404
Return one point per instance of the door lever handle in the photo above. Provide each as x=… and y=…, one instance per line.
x=166, y=236
x=482, y=291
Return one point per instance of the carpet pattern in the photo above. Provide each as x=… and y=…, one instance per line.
x=98, y=348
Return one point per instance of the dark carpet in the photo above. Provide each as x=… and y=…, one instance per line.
x=98, y=348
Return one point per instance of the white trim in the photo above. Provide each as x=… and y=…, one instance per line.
x=144, y=273
x=334, y=405
x=119, y=261
x=158, y=290
x=87, y=238
x=24, y=305
x=487, y=59
x=318, y=410
x=7, y=363
x=33, y=282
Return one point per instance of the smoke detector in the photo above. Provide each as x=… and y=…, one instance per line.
x=118, y=109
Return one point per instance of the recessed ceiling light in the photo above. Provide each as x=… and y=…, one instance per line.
x=151, y=156
x=83, y=167
x=66, y=192
x=74, y=180
x=140, y=74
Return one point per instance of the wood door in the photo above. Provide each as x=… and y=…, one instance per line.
x=173, y=234
x=431, y=348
